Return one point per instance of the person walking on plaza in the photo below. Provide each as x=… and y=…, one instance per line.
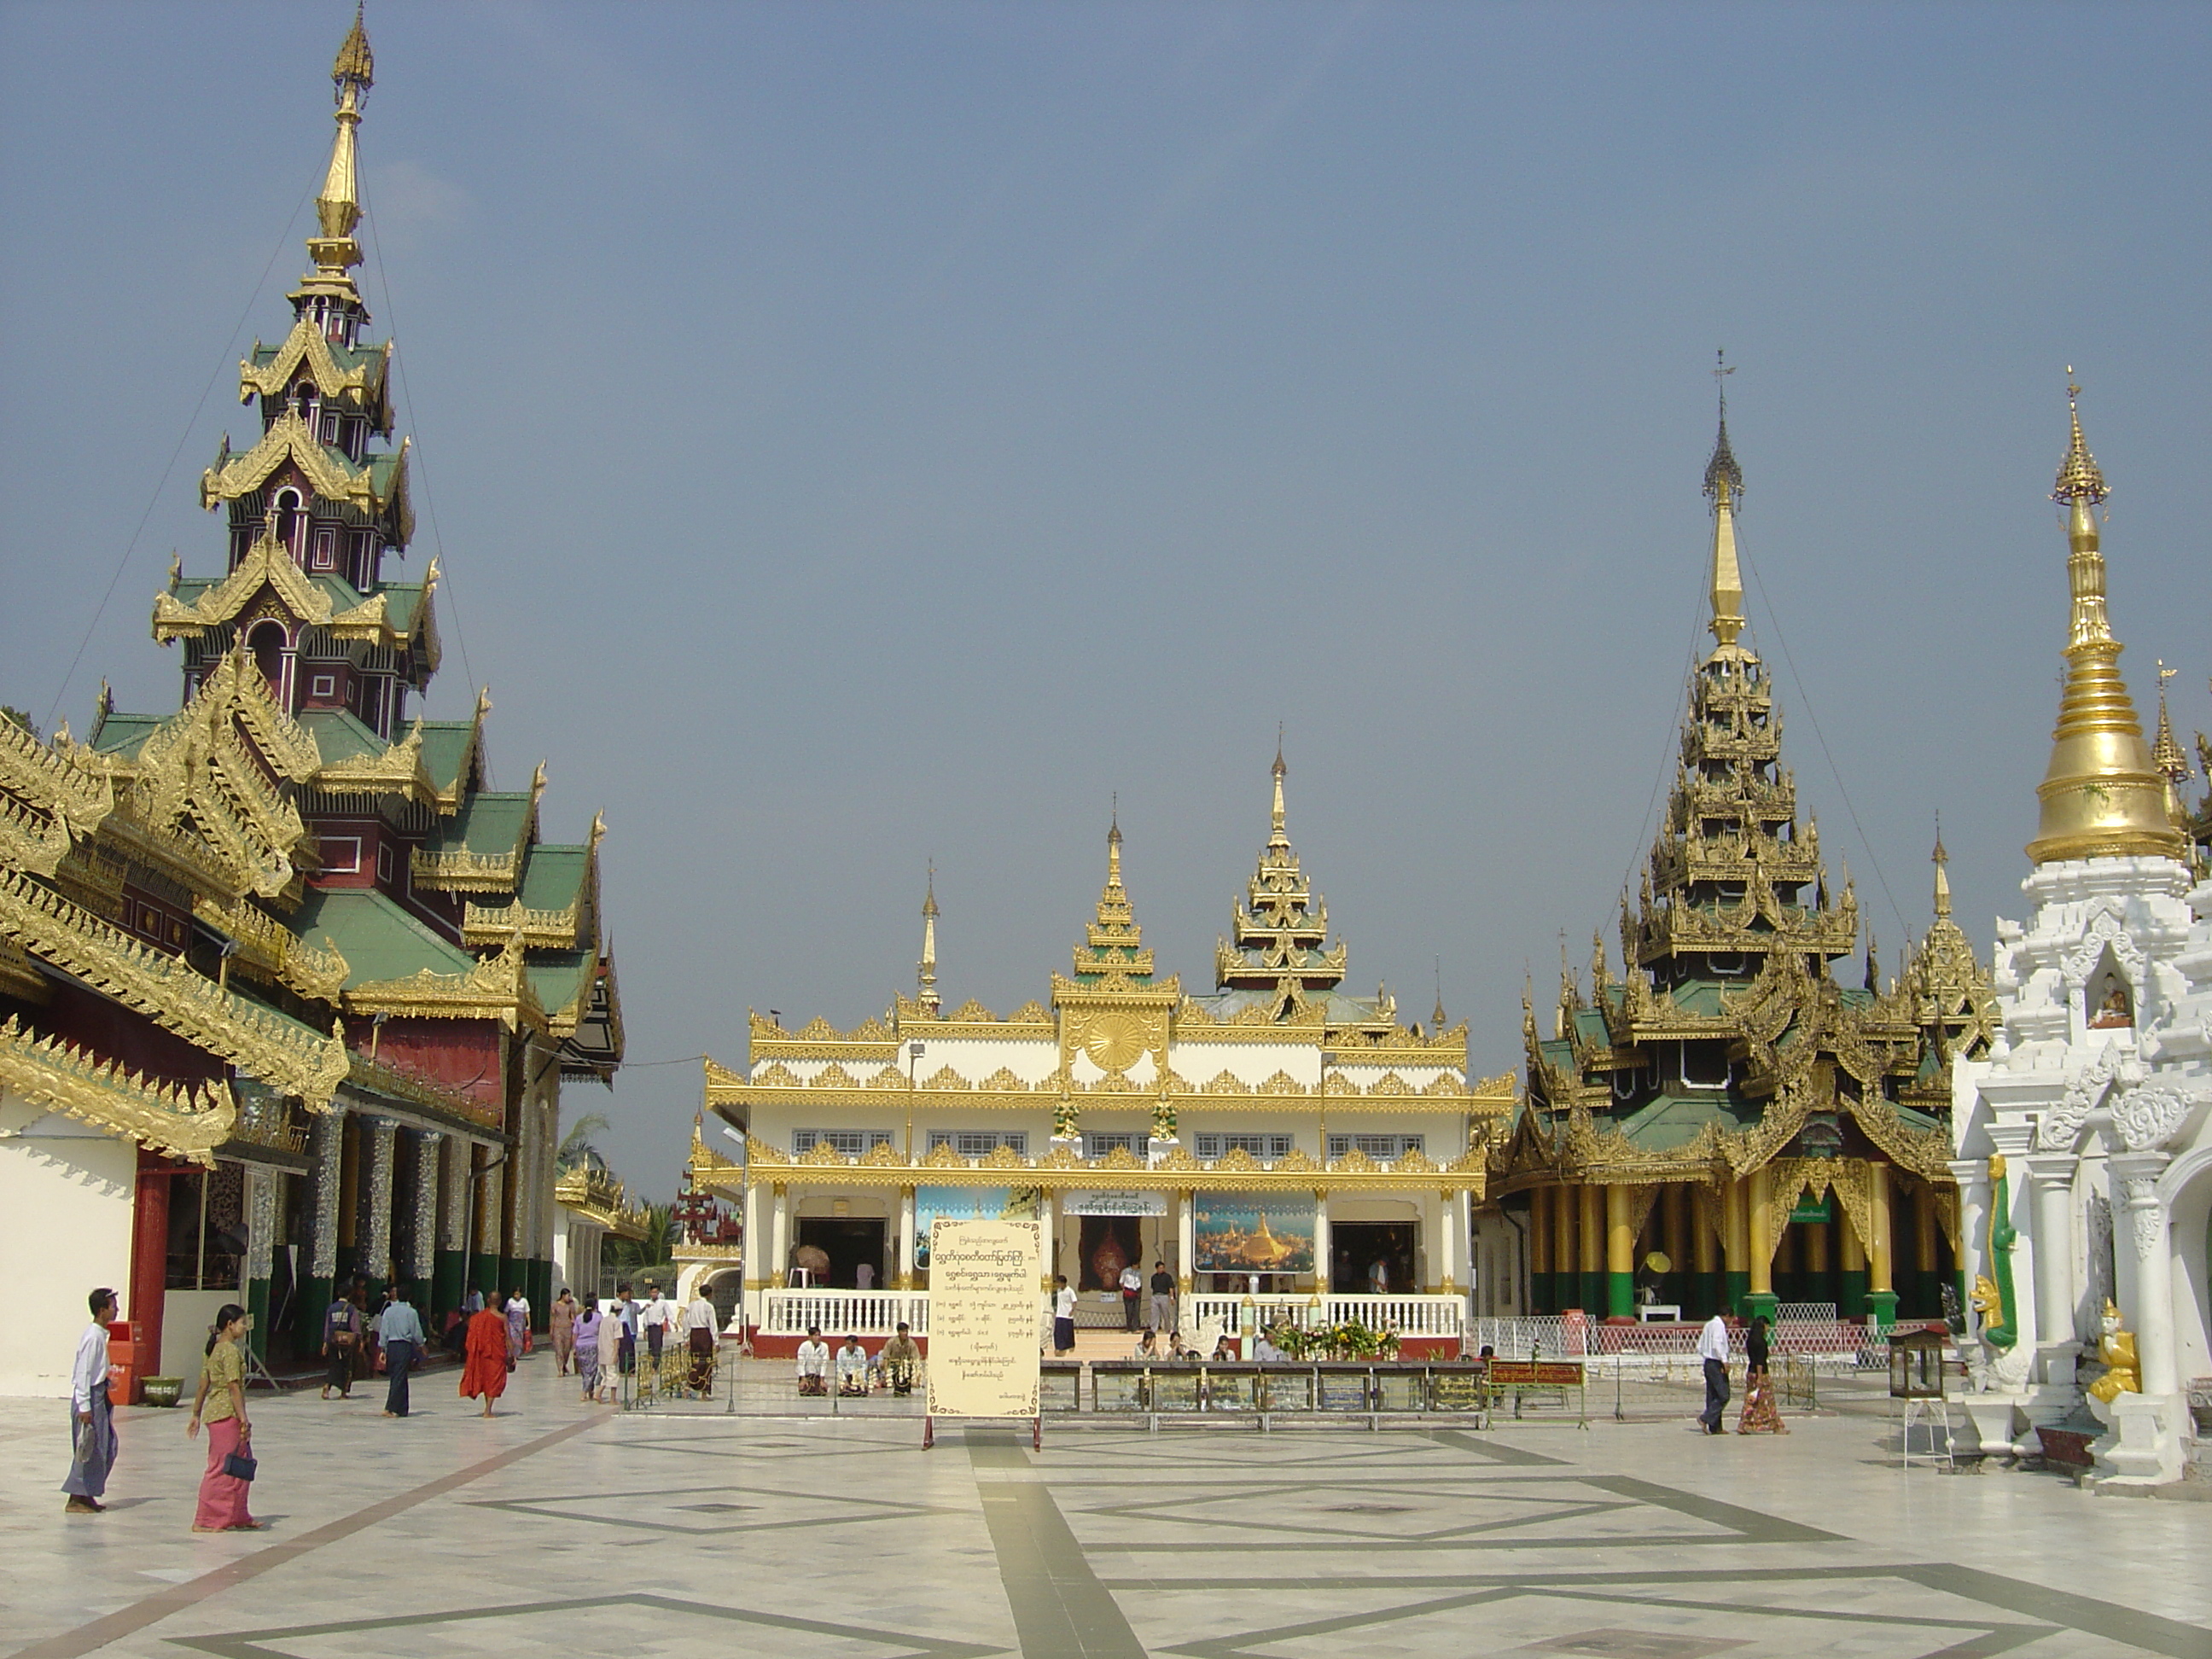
x=92, y=1423
x=342, y=1328
x=400, y=1330
x=560, y=1321
x=700, y=1326
x=1063, y=1315
x=221, y=1405
x=1713, y=1349
x=518, y=1324
x=655, y=1318
x=814, y=1363
x=485, y=1374
x=611, y=1341
x=625, y=1318
x=1162, y=1297
x=584, y=1334
x=1132, y=1288
x=1760, y=1414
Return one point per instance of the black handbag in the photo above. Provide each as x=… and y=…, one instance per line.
x=240, y=1465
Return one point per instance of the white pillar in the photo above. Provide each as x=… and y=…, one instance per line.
x=429, y=1145
x=1186, y=1241
x=780, y=1241
x=1324, y=1249
x=2139, y=1222
x=373, y=1229
x=903, y=1274
x=2052, y=1176
x=1972, y=1176
x=1048, y=1230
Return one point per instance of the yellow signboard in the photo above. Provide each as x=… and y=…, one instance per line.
x=983, y=1317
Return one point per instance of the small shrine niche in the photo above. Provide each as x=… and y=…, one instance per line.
x=2111, y=1005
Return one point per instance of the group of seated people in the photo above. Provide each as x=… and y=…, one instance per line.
x=894, y=1365
x=1173, y=1350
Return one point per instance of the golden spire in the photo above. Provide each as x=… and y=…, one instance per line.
x=925, y=978
x=2166, y=753
x=1113, y=943
x=1942, y=860
x=337, y=210
x=2102, y=797
x=1279, y=837
x=1724, y=483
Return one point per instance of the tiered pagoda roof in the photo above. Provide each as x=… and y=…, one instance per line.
x=1726, y=1042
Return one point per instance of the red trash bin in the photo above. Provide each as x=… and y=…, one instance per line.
x=123, y=1370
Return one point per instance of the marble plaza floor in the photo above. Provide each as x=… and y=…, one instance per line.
x=557, y=1528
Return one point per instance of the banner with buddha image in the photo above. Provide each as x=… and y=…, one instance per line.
x=935, y=1204
x=1255, y=1233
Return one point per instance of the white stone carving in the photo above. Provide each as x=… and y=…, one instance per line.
x=2103, y=931
x=2061, y=1126
x=2146, y=1215
x=2148, y=1117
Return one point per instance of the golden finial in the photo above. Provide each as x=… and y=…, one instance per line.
x=1114, y=844
x=926, y=970
x=1437, y=1019
x=1278, y=836
x=337, y=209
x=1942, y=862
x=2165, y=753
x=1724, y=483
x=2102, y=796
x=2079, y=480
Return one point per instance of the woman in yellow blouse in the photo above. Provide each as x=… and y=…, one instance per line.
x=220, y=1403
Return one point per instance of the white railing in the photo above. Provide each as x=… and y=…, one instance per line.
x=843, y=1313
x=1408, y=1316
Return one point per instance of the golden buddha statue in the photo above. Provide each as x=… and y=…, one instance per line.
x=2117, y=1348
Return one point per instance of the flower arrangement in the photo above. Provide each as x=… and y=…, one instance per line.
x=1350, y=1341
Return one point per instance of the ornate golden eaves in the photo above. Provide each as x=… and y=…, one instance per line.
x=497, y=988
x=361, y=388
x=269, y=565
x=181, y=1122
x=328, y=473
x=166, y=989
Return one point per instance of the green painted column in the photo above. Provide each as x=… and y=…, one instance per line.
x=1882, y=1304
x=539, y=1278
x=308, y=1318
x=1620, y=1254
x=448, y=1283
x=1592, y=1293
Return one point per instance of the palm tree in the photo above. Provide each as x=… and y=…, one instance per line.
x=657, y=1250
x=576, y=1148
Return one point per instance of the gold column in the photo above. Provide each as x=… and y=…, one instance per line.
x=1758, y=1193
x=1851, y=1251
x=1881, y=1275
x=1563, y=1244
x=1673, y=1223
x=1592, y=1250
x=1924, y=1229
x=1814, y=1250
x=1619, y=1251
x=1704, y=1242
x=1539, y=1225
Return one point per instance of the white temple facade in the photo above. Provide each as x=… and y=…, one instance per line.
x=2084, y=1153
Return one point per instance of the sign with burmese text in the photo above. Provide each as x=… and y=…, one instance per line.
x=983, y=1318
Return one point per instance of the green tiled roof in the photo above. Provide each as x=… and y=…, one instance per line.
x=1590, y=1026
x=445, y=745
x=557, y=978
x=553, y=878
x=340, y=737
x=489, y=821
x=378, y=939
x=122, y=734
x=1666, y=1121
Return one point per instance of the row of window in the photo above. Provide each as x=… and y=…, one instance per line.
x=1208, y=1144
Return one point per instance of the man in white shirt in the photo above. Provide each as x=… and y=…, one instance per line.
x=1133, y=1286
x=657, y=1317
x=1063, y=1315
x=1713, y=1349
x=91, y=1429
x=699, y=1325
x=814, y=1363
x=851, y=1367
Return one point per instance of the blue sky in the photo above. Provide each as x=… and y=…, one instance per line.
x=861, y=434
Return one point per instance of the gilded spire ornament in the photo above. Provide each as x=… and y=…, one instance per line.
x=2167, y=754
x=1279, y=938
x=1723, y=484
x=337, y=208
x=925, y=972
x=2102, y=796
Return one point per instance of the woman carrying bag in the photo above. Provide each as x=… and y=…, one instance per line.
x=220, y=1403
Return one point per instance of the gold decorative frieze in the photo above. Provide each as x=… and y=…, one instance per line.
x=551, y=930
x=279, y=1051
x=497, y=988
x=186, y=1122
x=359, y=388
